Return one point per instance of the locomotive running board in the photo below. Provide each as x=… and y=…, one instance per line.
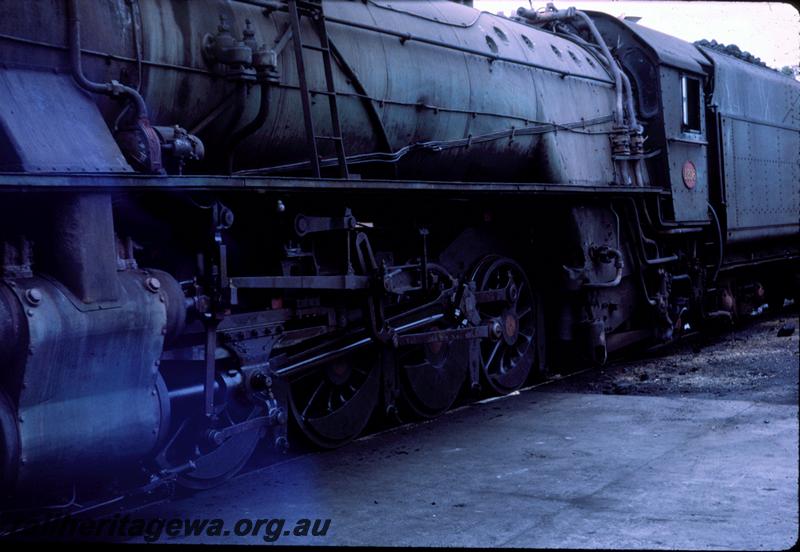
x=115, y=181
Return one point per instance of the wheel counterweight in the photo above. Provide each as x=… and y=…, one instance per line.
x=333, y=405
x=431, y=376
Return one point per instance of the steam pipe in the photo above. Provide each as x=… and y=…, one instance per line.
x=560, y=15
x=252, y=126
x=619, y=264
x=611, y=63
x=263, y=76
x=240, y=100
x=109, y=88
x=632, y=121
x=618, y=113
x=634, y=125
x=644, y=239
x=601, y=285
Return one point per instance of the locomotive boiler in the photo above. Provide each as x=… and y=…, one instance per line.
x=233, y=222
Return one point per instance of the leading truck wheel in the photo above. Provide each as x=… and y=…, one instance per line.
x=200, y=462
x=506, y=360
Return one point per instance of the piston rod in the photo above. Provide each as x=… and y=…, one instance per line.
x=300, y=367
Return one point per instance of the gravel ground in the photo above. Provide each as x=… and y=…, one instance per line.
x=751, y=363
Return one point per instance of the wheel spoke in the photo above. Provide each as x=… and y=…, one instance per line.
x=313, y=396
x=503, y=369
x=519, y=292
x=491, y=356
x=330, y=401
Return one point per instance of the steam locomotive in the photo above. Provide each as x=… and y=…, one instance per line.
x=226, y=222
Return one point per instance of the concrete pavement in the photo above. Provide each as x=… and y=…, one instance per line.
x=540, y=469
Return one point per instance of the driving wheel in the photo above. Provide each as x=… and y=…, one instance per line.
x=507, y=357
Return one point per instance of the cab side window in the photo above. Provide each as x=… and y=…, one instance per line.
x=690, y=88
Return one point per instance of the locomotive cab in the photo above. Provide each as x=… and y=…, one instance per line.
x=668, y=76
